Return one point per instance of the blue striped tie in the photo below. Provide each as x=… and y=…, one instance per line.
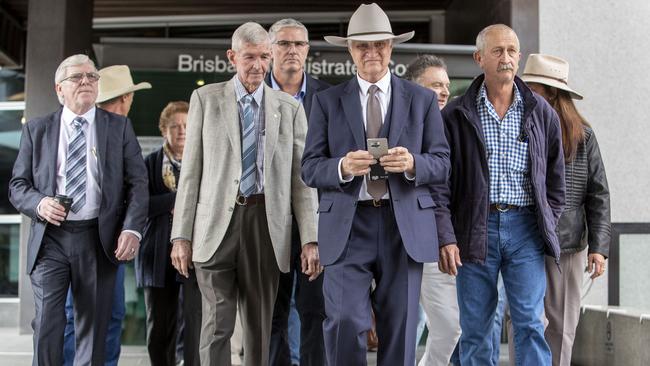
x=75, y=166
x=248, y=179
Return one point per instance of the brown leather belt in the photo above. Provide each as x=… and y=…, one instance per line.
x=254, y=199
x=502, y=207
x=373, y=203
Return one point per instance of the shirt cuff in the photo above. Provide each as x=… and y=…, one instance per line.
x=343, y=180
x=179, y=238
x=409, y=176
x=38, y=210
x=137, y=234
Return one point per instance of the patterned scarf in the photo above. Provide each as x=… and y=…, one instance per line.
x=170, y=168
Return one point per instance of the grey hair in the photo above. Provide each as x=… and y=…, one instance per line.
x=74, y=60
x=421, y=63
x=249, y=32
x=286, y=23
x=480, y=38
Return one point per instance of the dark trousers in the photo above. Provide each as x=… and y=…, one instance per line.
x=311, y=310
x=71, y=256
x=162, y=305
x=374, y=251
x=242, y=269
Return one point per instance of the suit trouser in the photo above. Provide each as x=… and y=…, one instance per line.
x=440, y=304
x=243, y=267
x=374, y=250
x=71, y=256
x=114, y=332
x=309, y=303
x=562, y=303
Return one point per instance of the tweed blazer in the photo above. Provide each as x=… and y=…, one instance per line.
x=209, y=180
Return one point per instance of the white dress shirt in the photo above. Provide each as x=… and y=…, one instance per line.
x=90, y=209
x=384, y=100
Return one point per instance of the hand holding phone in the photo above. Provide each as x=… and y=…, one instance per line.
x=377, y=147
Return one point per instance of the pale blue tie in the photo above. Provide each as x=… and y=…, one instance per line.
x=75, y=166
x=248, y=179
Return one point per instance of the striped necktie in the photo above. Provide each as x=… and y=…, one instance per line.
x=75, y=166
x=247, y=184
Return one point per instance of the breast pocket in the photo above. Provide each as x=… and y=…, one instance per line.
x=519, y=159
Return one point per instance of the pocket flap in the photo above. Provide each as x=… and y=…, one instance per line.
x=325, y=205
x=426, y=201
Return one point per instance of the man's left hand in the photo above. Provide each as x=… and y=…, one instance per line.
x=595, y=264
x=127, y=246
x=398, y=160
x=310, y=261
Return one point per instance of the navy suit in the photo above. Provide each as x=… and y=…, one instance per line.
x=81, y=252
x=309, y=295
x=403, y=235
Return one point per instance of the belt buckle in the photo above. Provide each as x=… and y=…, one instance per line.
x=502, y=208
x=241, y=200
x=376, y=203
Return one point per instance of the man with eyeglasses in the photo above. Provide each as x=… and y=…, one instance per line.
x=289, y=46
x=92, y=158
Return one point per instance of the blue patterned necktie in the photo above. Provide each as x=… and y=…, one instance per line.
x=248, y=150
x=75, y=166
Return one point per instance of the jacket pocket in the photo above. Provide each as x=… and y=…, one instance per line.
x=426, y=201
x=325, y=206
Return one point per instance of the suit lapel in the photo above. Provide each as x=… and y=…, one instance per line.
x=230, y=112
x=400, y=100
x=272, y=118
x=52, y=131
x=309, y=93
x=101, y=128
x=353, y=114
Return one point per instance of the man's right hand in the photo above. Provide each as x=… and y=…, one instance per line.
x=449, y=260
x=51, y=211
x=182, y=256
x=356, y=163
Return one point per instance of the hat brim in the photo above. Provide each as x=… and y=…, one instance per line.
x=343, y=41
x=102, y=97
x=551, y=82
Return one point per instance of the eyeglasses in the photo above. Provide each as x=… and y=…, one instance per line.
x=92, y=77
x=287, y=44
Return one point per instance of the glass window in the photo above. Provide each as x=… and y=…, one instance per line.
x=11, y=116
x=9, y=258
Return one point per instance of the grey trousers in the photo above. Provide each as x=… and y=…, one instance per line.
x=562, y=304
x=244, y=270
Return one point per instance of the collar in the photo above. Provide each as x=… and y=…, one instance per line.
x=240, y=91
x=482, y=95
x=383, y=84
x=68, y=116
x=303, y=87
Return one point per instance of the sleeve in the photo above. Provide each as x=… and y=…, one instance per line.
x=22, y=193
x=597, y=205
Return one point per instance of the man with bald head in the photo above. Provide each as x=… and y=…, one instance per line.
x=500, y=206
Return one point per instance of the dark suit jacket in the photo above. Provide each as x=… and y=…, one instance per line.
x=123, y=182
x=153, y=257
x=336, y=127
x=313, y=86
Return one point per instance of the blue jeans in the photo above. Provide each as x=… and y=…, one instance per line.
x=499, y=316
x=516, y=249
x=294, y=327
x=113, y=337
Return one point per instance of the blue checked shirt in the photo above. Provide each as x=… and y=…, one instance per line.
x=258, y=120
x=507, y=151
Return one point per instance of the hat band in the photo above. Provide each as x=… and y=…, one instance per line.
x=563, y=81
x=369, y=34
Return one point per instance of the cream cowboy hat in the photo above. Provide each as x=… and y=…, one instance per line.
x=115, y=81
x=369, y=23
x=548, y=70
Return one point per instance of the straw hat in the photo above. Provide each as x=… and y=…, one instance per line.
x=369, y=23
x=115, y=81
x=548, y=70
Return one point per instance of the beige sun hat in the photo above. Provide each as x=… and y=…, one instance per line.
x=116, y=80
x=548, y=70
x=369, y=23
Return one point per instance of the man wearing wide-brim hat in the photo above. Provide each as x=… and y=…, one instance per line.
x=115, y=94
x=381, y=229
